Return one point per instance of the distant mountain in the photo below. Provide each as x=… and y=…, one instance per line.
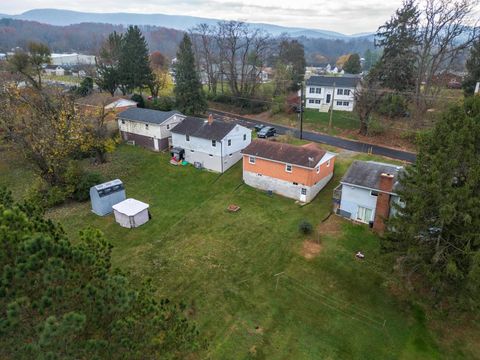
x=67, y=17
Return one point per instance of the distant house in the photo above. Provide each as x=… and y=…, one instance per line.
x=367, y=192
x=148, y=128
x=325, y=92
x=266, y=74
x=54, y=70
x=477, y=88
x=297, y=172
x=211, y=144
x=105, y=100
x=121, y=104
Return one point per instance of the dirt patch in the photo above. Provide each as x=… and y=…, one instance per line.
x=311, y=249
x=330, y=227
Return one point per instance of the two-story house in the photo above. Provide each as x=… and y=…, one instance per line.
x=148, y=128
x=211, y=144
x=327, y=92
x=297, y=172
x=367, y=192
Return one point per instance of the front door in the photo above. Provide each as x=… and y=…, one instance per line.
x=328, y=98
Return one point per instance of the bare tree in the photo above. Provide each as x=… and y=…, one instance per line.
x=367, y=98
x=446, y=30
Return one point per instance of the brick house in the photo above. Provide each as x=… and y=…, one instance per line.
x=367, y=193
x=297, y=172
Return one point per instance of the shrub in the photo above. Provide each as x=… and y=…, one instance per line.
x=375, y=127
x=83, y=185
x=45, y=196
x=305, y=227
x=164, y=103
x=139, y=100
x=393, y=105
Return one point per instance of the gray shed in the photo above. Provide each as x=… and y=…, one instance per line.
x=105, y=195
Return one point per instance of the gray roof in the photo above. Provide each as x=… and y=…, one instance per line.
x=367, y=174
x=200, y=128
x=340, y=81
x=147, y=115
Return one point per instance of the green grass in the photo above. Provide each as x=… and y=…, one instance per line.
x=222, y=265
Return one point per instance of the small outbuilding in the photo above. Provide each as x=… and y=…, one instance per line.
x=104, y=196
x=131, y=213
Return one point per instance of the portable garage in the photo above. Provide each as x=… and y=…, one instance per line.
x=104, y=196
x=131, y=213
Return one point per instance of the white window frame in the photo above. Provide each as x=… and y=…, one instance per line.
x=311, y=90
x=339, y=103
x=123, y=122
x=168, y=126
x=318, y=90
x=146, y=126
x=303, y=191
x=244, y=137
x=311, y=101
x=251, y=160
x=318, y=169
x=214, y=143
x=362, y=214
x=187, y=137
x=287, y=167
x=346, y=92
x=328, y=163
x=346, y=103
x=339, y=91
x=318, y=101
x=229, y=142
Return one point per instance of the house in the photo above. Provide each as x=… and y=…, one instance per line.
x=131, y=213
x=367, y=192
x=104, y=196
x=297, y=172
x=54, y=70
x=325, y=92
x=148, y=128
x=266, y=74
x=97, y=100
x=211, y=144
x=477, y=88
x=121, y=105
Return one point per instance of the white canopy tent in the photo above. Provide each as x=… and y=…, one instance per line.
x=131, y=213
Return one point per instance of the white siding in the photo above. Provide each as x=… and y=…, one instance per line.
x=353, y=197
x=170, y=124
x=328, y=90
x=152, y=130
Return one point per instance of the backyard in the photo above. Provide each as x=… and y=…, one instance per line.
x=255, y=286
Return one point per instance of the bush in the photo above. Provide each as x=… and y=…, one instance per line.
x=393, y=105
x=164, y=103
x=82, y=188
x=139, y=100
x=45, y=196
x=305, y=227
x=375, y=127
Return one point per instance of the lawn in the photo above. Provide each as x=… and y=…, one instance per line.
x=223, y=266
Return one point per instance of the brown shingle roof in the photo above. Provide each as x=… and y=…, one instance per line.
x=307, y=156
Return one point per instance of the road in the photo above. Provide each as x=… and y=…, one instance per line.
x=324, y=139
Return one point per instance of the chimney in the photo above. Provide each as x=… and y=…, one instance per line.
x=382, y=209
x=210, y=119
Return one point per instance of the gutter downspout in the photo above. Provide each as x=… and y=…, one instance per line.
x=221, y=154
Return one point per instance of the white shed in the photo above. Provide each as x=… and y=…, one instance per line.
x=131, y=213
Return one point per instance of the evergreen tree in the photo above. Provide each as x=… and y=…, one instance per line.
x=353, y=66
x=398, y=37
x=134, y=64
x=473, y=69
x=61, y=300
x=108, y=78
x=436, y=234
x=190, y=98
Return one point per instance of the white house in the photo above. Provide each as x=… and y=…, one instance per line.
x=367, y=191
x=148, y=128
x=326, y=92
x=54, y=70
x=212, y=144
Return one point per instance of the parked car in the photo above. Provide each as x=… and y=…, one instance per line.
x=258, y=127
x=267, y=132
x=454, y=84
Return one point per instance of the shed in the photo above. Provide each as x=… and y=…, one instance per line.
x=131, y=213
x=104, y=196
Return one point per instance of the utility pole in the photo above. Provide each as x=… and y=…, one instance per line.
x=331, y=107
x=301, y=111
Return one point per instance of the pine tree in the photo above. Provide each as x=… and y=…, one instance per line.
x=108, y=75
x=134, y=65
x=398, y=37
x=61, y=300
x=353, y=66
x=436, y=234
x=473, y=69
x=190, y=98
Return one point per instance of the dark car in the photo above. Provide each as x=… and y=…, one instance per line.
x=267, y=132
x=258, y=127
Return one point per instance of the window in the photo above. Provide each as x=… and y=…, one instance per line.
x=374, y=193
x=346, y=103
x=288, y=168
x=339, y=91
x=346, y=92
x=295, y=183
x=210, y=155
x=123, y=122
x=146, y=126
x=229, y=142
x=304, y=191
x=244, y=137
x=311, y=101
x=214, y=143
x=318, y=90
x=317, y=101
x=251, y=159
x=339, y=103
x=328, y=163
x=192, y=150
x=311, y=90
x=364, y=214
x=318, y=169
x=168, y=126
x=230, y=155
x=187, y=137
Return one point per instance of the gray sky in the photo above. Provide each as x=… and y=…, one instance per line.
x=347, y=16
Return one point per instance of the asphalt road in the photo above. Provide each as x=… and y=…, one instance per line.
x=324, y=139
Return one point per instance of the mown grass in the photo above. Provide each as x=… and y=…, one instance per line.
x=223, y=266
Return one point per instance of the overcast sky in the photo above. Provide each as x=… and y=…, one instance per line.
x=347, y=16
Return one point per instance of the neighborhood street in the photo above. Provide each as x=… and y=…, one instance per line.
x=324, y=139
